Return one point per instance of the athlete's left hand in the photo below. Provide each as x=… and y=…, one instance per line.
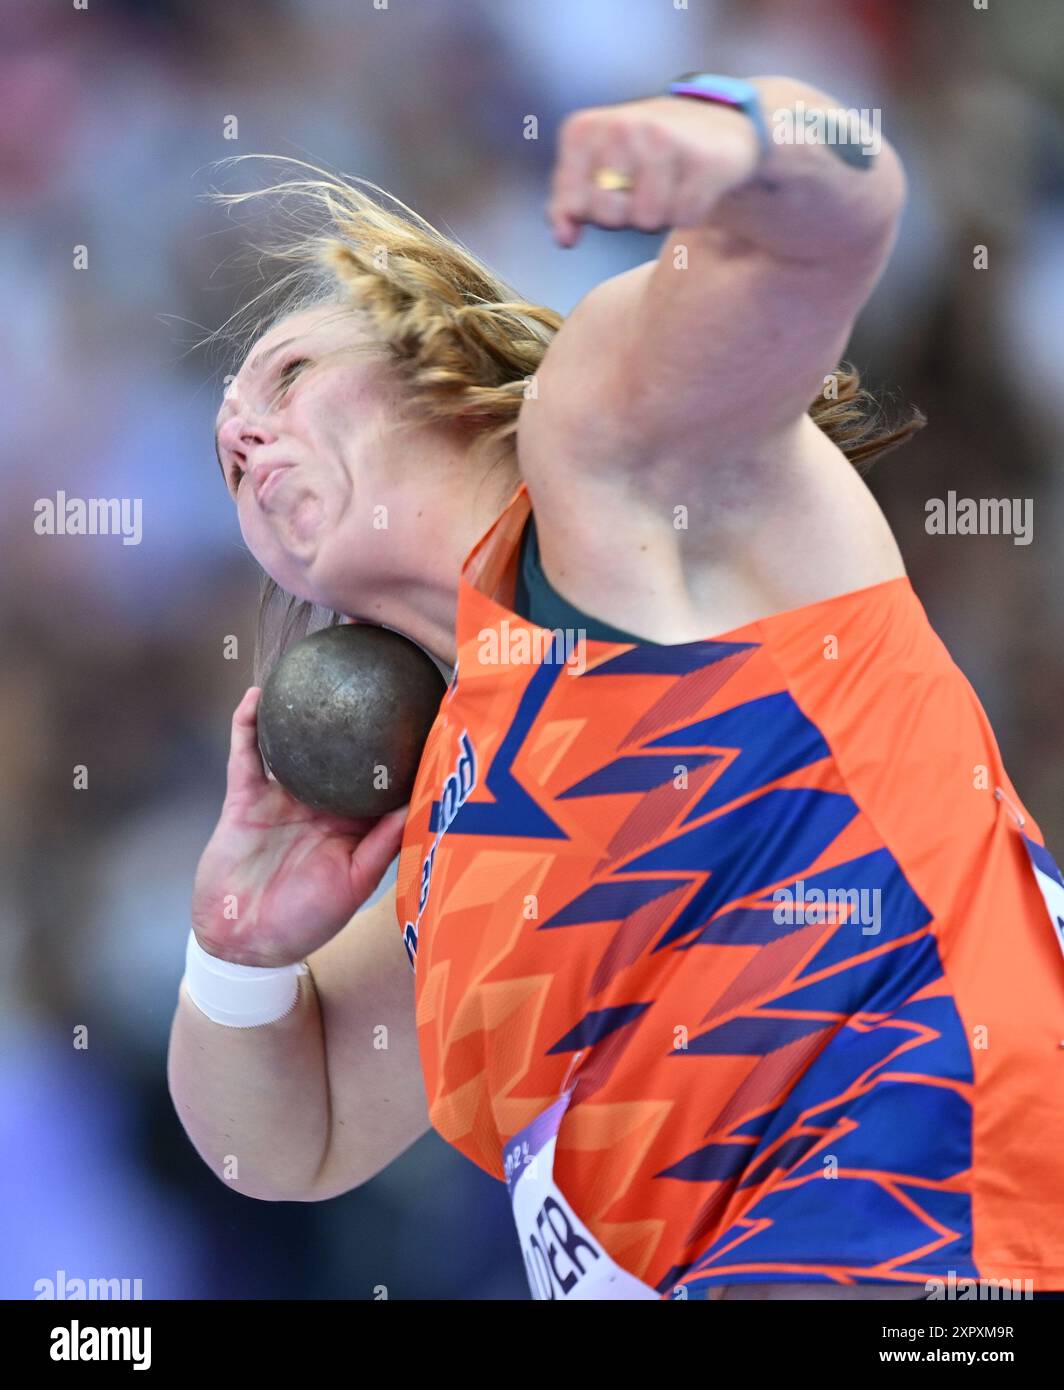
x=682, y=155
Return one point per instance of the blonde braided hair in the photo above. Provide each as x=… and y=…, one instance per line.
x=463, y=341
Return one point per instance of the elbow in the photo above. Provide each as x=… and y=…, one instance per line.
x=261, y=1188
x=270, y=1194
x=315, y=1192
x=257, y=1185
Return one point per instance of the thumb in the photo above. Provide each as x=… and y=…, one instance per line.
x=376, y=850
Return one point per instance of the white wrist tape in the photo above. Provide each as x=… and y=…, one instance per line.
x=240, y=996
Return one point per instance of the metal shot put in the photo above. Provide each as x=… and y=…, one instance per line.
x=344, y=716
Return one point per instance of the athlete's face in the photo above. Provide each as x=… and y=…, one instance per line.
x=301, y=441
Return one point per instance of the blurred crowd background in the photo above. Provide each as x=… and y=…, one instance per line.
x=112, y=654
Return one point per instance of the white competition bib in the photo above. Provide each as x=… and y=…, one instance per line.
x=562, y=1257
x=1051, y=883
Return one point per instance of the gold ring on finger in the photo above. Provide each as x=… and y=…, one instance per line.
x=613, y=181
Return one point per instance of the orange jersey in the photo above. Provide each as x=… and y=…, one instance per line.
x=766, y=897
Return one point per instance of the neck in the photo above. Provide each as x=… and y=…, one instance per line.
x=422, y=601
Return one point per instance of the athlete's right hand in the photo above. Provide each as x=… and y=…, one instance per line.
x=278, y=879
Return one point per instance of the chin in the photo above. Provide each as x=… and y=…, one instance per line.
x=332, y=581
x=290, y=572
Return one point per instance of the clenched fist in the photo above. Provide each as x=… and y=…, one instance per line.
x=680, y=154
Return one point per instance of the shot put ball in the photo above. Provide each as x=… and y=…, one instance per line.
x=344, y=715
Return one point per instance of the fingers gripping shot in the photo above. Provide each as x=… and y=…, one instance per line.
x=705, y=940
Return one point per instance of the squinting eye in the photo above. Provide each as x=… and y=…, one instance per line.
x=291, y=370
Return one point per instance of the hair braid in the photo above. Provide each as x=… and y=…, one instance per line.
x=464, y=343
